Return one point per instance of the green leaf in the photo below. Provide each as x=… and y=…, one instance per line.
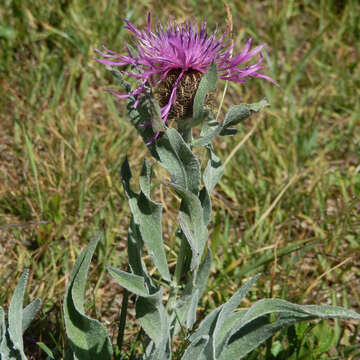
x=227, y=310
x=213, y=171
x=207, y=325
x=235, y=115
x=238, y=113
x=147, y=217
x=46, y=350
x=176, y=156
x=213, y=324
x=252, y=335
x=192, y=224
x=157, y=123
x=88, y=337
x=142, y=114
x=212, y=174
x=15, y=316
x=196, y=349
x=254, y=326
x=153, y=317
x=131, y=282
x=137, y=266
x=207, y=84
x=29, y=313
x=186, y=304
x=150, y=311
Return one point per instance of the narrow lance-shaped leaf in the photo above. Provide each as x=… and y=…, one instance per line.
x=196, y=349
x=150, y=311
x=88, y=337
x=176, y=156
x=235, y=115
x=207, y=84
x=147, y=217
x=184, y=312
x=29, y=313
x=15, y=316
x=153, y=318
x=135, y=246
x=212, y=174
x=254, y=326
x=131, y=282
x=226, y=311
x=191, y=219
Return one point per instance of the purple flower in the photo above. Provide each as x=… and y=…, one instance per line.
x=176, y=53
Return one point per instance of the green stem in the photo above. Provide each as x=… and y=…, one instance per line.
x=181, y=260
x=120, y=338
x=185, y=130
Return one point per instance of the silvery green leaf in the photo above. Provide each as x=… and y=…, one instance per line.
x=153, y=318
x=137, y=266
x=253, y=326
x=145, y=178
x=147, y=217
x=15, y=315
x=213, y=171
x=150, y=311
x=131, y=282
x=160, y=352
x=196, y=349
x=207, y=84
x=254, y=334
x=88, y=337
x=191, y=314
x=186, y=304
x=213, y=322
x=192, y=224
x=140, y=115
x=238, y=113
x=157, y=123
x=212, y=174
x=227, y=310
x=5, y=344
x=207, y=325
x=176, y=156
x=235, y=115
x=29, y=313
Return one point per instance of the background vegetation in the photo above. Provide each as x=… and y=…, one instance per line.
x=288, y=205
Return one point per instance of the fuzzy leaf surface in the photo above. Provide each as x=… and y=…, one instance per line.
x=131, y=282
x=15, y=315
x=153, y=318
x=176, y=156
x=88, y=337
x=191, y=219
x=235, y=115
x=253, y=326
x=29, y=313
x=207, y=84
x=147, y=217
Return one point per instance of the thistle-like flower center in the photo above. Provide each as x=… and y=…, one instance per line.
x=185, y=92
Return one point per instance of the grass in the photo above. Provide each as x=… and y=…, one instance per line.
x=288, y=205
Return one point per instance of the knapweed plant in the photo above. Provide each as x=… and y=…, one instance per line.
x=177, y=68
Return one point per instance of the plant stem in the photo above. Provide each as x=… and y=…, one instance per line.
x=180, y=265
x=185, y=131
x=120, y=338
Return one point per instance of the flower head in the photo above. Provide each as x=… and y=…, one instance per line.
x=174, y=58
